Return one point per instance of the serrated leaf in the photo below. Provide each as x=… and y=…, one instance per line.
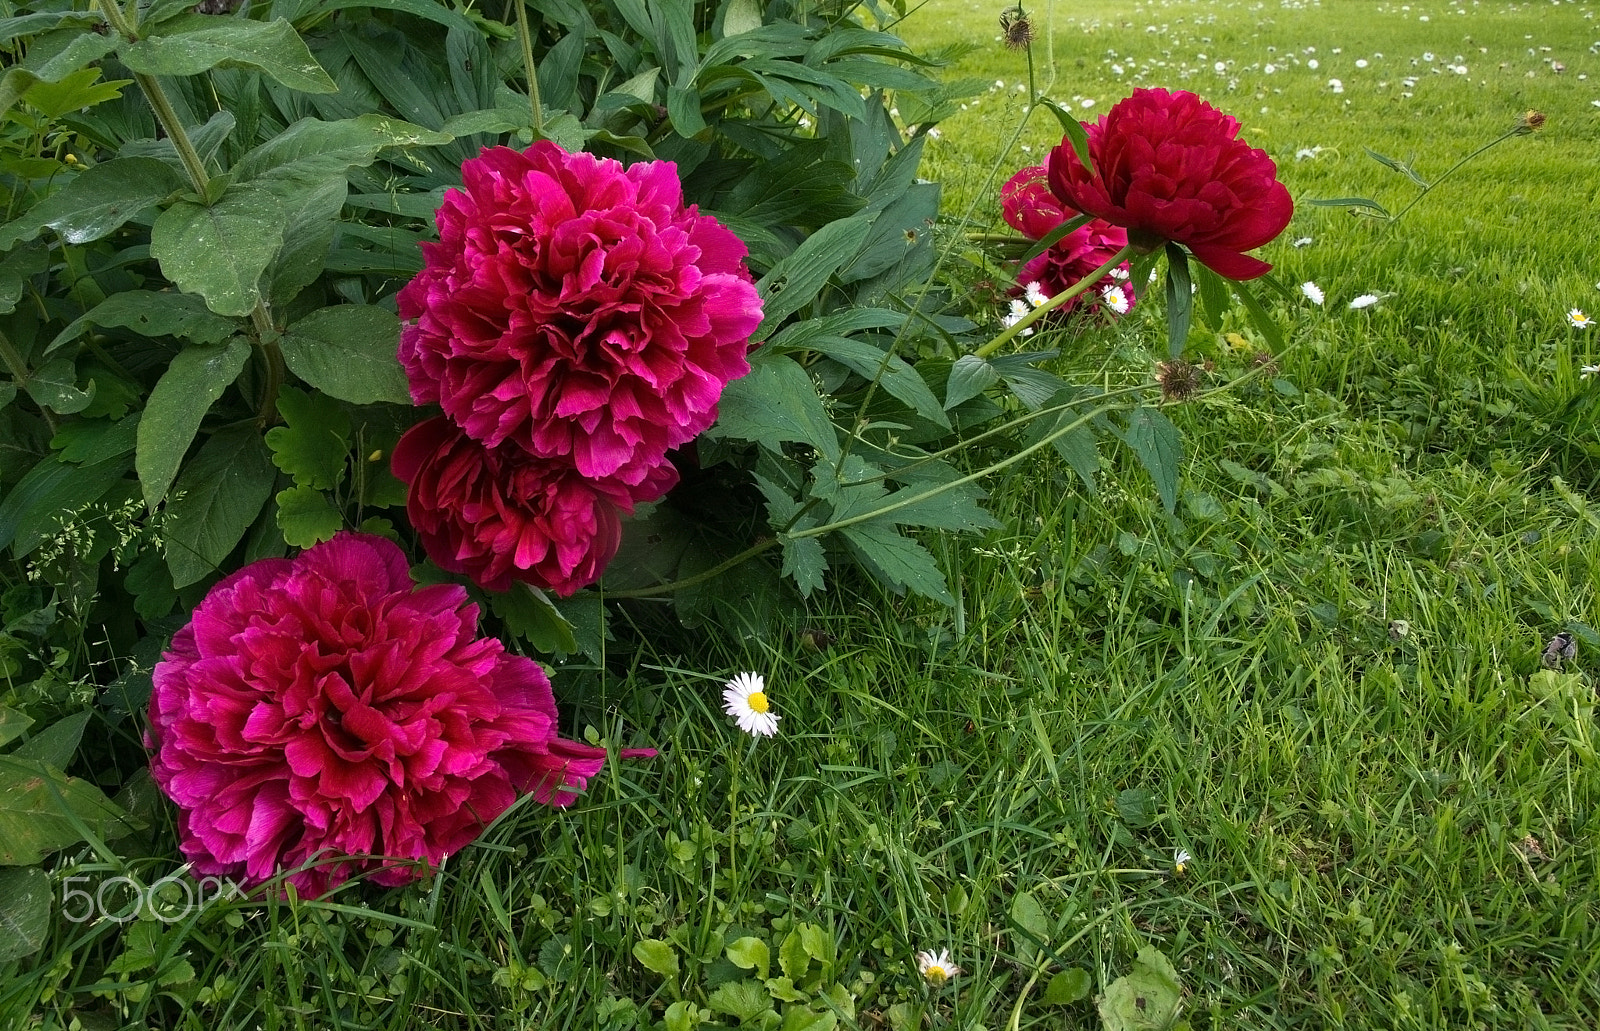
x=150, y=582
x=775, y=404
x=796, y=281
x=1033, y=387
x=97, y=202
x=1082, y=451
x=1159, y=447
x=1146, y=999
x=804, y=562
x=952, y=508
x=182, y=396
x=892, y=372
x=349, y=352
x=746, y=1000
x=1067, y=987
x=152, y=314
x=41, y=809
x=749, y=953
x=73, y=92
x=1180, y=300
x=311, y=220
x=219, y=252
x=307, y=517
x=899, y=561
x=192, y=44
x=216, y=499
x=314, y=441
x=969, y=377
x=312, y=151
x=657, y=956
x=531, y=615
x=55, y=744
x=24, y=912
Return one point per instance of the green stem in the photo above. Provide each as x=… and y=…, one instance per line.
x=1011, y=331
x=1514, y=131
x=528, y=68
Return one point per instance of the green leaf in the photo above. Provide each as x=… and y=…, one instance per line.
x=683, y=107
x=793, y=959
x=796, y=281
x=42, y=808
x=805, y=562
x=1213, y=295
x=216, y=499
x=1399, y=166
x=307, y=517
x=1361, y=203
x=192, y=44
x=969, y=377
x=55, y=386
x=749, y=953
x=774, y=404
x=657, y=956
x=889, y=369
x=898, y=561
x=531, y=615
x=33, y=508
x=1033, y=387
x=88, y=441
x=24, y=912
x=803, y=1018
x=1259, y=316
x=1072, y=130
x=1067, y=987
x=150, y=582
x=73, y=92
x=953, y=508
x=1028, y=916
x=312, y=151
x=314, y=443
x=97, y=202
x=12, y=724
x=152, y=314
x=16, y=269
x=182, y=396
x=1180, y=300
x=1081, y=450
x=310, y=222
x=220, y=252
x=349, y=352
x=741, y=16
x=55, y=744
x=16, y=83
x=1159, y=447
x=1145, y=999
x=746, y=1000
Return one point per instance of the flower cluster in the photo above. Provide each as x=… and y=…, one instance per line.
x=575, y=322
x=1032, y=210
x=1167, y=166
x=322, y=707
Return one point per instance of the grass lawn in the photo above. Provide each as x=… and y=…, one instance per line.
x=1320, y=676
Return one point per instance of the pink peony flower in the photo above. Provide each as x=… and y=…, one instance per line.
x=322, y=706
x=500, y=514
x=1169, y=166
x=577, y=309
x=1031, y=209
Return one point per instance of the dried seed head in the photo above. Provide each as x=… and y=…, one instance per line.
x=1018, y=30
x=1532, y=121
x=1179, y=379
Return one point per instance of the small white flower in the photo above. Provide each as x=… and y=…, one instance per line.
x=1304, y=241
x=1361, y=62
x=1116, y=299
x=1220, y=67
x=1035, y=294
x=1588, y=370
x=1312, y=291
x=1086, y=103
x=1180, y=861
x=1312, y=64
x=1269, y=68
x=934, y=133
x=1364, y=301
x=1578, y=320
x=745, y=699
x=936, y=967
x=1428, y=56
x=1336, y=85
x=1119, y=273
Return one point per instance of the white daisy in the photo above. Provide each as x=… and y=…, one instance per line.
x=1035, y=294
x=1578, y=320
x=1180, y=861
x=936, y=967
x=1336, y=85
x=1312, y=291
x=1116, y=299
x=745, y=699
x=1304, y=241
x=1364, y=301
x=1588, y=370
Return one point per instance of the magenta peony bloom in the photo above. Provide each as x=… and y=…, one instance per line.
x=500, y=514
x=577, y=309
x=1031, y=209
x=323, y=706
x=1169, y=166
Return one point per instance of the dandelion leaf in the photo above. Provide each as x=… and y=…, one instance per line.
x=1145, y=999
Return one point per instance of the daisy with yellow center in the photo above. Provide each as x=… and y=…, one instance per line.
x=936, y=967
x=745, y=699
x=1578, y=320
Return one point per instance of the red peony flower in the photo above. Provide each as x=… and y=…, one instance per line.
x=1169, y=166
x=578, y=309
x=499, y=514
x=1031, y=209
x=323, y=706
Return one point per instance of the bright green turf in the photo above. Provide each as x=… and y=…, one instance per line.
x=1389, y=830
